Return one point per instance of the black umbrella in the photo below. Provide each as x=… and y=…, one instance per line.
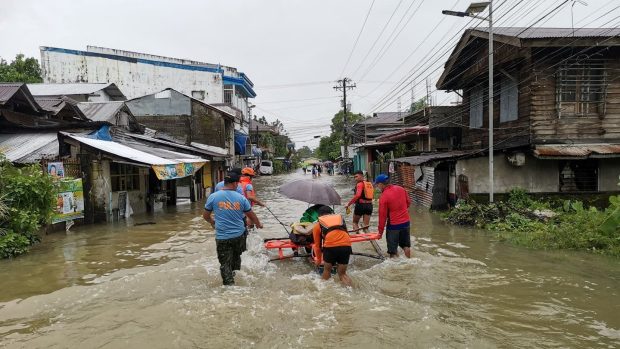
x=310, y=191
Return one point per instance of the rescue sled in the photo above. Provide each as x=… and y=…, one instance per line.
x=300, y=250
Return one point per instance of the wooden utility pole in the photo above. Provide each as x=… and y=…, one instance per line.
x=345, y=84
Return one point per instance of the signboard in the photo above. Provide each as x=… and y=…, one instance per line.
x=165, y=172
x=69, y=201
x=56, y=169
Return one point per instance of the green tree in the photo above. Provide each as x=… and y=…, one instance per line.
x=329, y=147
x=418, y=105
x=305, y=152
x=20, y=70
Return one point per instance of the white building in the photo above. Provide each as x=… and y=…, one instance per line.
x=139, y=74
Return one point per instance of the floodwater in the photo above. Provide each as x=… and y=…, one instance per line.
x=157, y=285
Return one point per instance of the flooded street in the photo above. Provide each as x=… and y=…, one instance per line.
x=157, y=285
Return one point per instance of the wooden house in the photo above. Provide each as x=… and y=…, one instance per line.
x=556, y=109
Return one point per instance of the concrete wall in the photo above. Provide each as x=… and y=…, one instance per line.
x=166, y=103
x=135, y=79
x=536, y=176
x=102, y=193
x=609, y=170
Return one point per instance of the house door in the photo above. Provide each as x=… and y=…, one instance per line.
x=440, y=188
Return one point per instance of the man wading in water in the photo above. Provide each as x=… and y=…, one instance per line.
x=230, y=208
x=332, y=243
x=394, y=209
x=364, y=193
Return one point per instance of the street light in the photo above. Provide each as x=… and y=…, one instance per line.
x=472, y=11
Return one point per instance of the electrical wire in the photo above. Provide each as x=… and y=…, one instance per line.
x=357, y=39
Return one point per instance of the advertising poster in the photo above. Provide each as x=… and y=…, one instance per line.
x=69, y=201
x=56, y=169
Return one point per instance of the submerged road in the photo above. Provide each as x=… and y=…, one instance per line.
x=158, y=286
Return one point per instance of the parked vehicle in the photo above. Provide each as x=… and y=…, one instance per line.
x=266, y=167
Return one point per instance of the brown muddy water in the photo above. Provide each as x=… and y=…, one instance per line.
x=158, y=286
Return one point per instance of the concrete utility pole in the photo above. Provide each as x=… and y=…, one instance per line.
x=342, y=85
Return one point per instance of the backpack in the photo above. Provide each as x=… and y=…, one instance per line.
x=369, y=191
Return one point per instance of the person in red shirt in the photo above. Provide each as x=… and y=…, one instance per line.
x=332, y=244
x=364, y=193
x=394, y=212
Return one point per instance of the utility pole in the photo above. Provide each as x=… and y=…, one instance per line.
x=345, y=84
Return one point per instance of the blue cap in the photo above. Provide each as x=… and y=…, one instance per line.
x=382, y=178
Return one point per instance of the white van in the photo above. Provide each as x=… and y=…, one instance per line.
x=266, y=167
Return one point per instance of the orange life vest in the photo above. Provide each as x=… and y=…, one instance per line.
x=329, y=223
x=369, y=191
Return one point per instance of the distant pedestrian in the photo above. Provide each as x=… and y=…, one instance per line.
x=314, y=171
x=319, y=169
x=305, y=169
x=230, y=208
x=394, y=211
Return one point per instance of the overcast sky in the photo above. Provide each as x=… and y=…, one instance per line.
x=293, y=50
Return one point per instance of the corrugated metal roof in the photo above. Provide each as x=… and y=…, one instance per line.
x=217, y=151
x=76, y=89
x=581, y=151
x=101, y=111
x=28, y=147
x=551, y=33
x=384, y=118
x=424, y=158
x=131, y=154
x=402, y=133
x=53, y=105
x=8, y=90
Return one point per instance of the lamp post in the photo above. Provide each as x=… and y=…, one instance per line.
x=472, y=11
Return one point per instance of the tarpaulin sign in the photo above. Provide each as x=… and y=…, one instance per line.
x=172, y=171
x=69, y=201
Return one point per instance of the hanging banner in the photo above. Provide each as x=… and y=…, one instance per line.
x=173, y=171
x=69, y=201
x=56, y=169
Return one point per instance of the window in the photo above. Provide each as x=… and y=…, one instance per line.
x=579, y=175
x=581, y=87
x=124, y=177
x=509, y=100
x=475, y=108
x=228, y=93
x=200, y=95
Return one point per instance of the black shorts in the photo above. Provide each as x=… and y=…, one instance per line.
x=397, y=238
x=337, y=255
x=363, y=209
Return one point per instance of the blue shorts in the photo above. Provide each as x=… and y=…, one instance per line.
x=396, y=238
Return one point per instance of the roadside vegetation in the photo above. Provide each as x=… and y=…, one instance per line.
x=26, y=203
x=524, y=221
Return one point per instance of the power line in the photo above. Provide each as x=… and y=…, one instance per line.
x=358, y=38
x=378, y=37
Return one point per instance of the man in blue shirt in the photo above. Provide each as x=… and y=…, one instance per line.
x=230, y=208
x=220, y=185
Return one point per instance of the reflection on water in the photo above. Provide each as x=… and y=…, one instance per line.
x=158, y=286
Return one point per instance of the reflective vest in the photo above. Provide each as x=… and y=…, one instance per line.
x=369, y=191
x=244, y=186
x=329, y=223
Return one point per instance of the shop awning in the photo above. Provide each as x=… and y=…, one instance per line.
x=169, y=165
x=577, y=151
x=240, y=142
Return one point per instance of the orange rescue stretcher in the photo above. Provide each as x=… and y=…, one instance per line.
x=281, y=244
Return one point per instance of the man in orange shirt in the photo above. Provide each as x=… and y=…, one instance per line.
x=332, y=244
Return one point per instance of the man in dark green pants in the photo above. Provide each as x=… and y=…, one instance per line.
x=230, y=208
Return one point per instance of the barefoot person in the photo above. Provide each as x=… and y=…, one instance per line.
x=230, y=208
x=394, y=211
x=332, y=244
x=364, y=193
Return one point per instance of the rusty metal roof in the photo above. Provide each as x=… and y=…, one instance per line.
x=403, y=133
x=69, y=89
x=101, y=111
x=424, y=158
x=7, y=91
x=553, y=33
x=577, y=151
